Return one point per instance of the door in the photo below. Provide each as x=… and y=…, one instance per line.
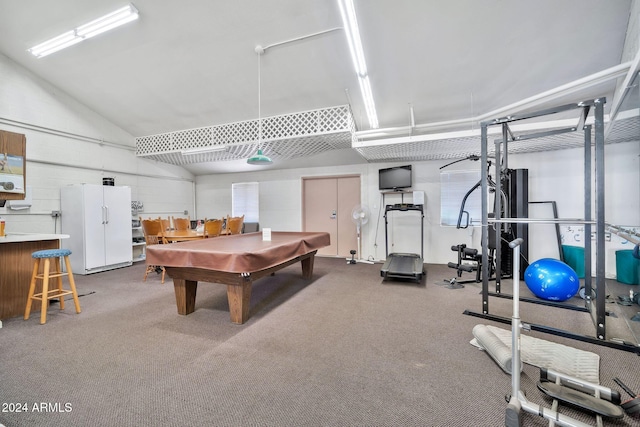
x=327, y=205
x=320, y=211
x=348, y=198
x=117, y=218
x=94, y=243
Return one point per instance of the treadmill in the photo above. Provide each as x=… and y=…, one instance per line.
x=403, y=265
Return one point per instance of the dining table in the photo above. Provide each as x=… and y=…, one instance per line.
x=183, y=235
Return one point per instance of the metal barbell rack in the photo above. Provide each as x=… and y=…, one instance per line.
x=597, y=307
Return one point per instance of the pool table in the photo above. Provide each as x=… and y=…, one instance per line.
x=236, y=261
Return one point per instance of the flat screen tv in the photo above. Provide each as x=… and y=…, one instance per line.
x=395, y=178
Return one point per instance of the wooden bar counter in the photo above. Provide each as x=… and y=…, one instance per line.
x=16, y=266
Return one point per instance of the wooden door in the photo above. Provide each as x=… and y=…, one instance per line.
x=348, y=198
x=320, y=211
x=327, y=206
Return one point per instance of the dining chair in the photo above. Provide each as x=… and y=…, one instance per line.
x=166, y=223
x=180, y=224
x=153, y=230
x=234, y=224
x=212, y=228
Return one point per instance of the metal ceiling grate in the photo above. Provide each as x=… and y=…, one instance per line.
x=285, y=136
x=624, y=130
x=313, y=132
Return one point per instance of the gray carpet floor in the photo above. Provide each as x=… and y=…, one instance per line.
x=343, y=349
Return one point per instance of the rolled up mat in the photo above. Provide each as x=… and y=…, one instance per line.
x=581, y=364
x=498, y=351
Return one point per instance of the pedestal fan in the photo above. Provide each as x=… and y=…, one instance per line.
x=359, y=216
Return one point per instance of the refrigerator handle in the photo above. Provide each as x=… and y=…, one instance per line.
x=106, y=210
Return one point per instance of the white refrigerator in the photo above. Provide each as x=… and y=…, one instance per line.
x=98, y=220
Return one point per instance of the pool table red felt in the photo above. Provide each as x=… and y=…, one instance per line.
x=235, y=261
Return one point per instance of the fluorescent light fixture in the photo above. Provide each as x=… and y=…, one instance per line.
x=202, y=150
x=369, y=105
x=112, y=20
x=97, y=26
x=348, y=12
x=55, y=44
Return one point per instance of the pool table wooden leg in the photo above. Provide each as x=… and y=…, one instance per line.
x=239, y=297
x=185, y=295
x=307, y=266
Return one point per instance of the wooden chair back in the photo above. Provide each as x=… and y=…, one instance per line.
x=234, y=224
x=212, y=228
x=166, y=223
x=153, y=231
x=180, y=224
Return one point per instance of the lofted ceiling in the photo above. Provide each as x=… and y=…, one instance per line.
x=192, y=64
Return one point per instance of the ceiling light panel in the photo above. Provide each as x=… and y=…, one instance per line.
x=55, y=44
x=97, y=26
x=108, y=22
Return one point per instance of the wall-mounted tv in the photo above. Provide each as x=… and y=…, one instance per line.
x=395, y=178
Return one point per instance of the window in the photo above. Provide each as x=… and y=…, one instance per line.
x=245, y=201
x=453, y=187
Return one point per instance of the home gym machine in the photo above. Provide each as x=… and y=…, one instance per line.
x=403, y=265
x=469, y=260
x=595, y=293
x=465, y=254
x=511, y=198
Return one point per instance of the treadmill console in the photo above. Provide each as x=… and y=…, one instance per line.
x=404, y=207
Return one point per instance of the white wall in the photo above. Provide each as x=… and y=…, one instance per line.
x=68, y=143
x=280, y=193
x=556, y=175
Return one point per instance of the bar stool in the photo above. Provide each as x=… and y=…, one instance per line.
x=46, y=274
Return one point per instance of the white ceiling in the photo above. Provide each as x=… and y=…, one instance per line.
x=192, y=64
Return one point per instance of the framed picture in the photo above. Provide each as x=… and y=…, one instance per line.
x=12, y=165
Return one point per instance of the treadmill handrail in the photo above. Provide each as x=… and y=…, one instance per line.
x=404, y=208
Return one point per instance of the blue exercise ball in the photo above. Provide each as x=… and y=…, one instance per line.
x=551, y=279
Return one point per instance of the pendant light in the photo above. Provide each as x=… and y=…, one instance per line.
x=259, y=158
